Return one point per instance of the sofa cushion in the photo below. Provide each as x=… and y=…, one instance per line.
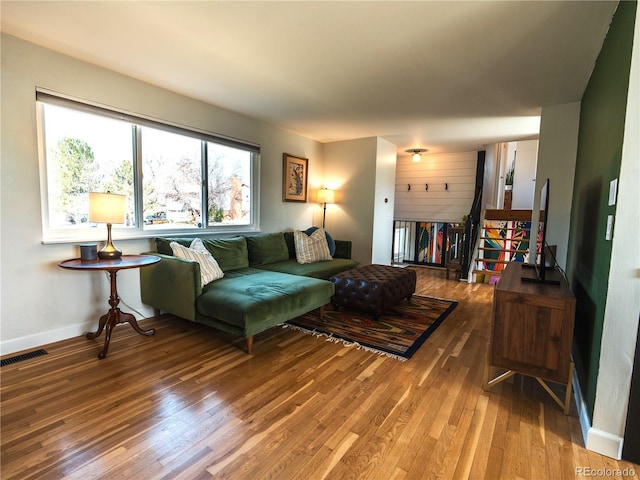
x=267, y=248
x=311, y=248
x=323, y=270
x=230, y=253
x=209, y=268
x=163, y=245
x=251, y=296
x=288, y=237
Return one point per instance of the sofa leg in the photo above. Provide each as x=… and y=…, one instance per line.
x=321, y=312
x=249, y=345
x=156, y=312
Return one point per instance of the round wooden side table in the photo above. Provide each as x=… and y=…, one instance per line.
x=114, y=316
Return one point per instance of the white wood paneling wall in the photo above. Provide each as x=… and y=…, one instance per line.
x=458, y=170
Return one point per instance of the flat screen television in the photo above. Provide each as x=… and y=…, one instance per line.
x=542, y=264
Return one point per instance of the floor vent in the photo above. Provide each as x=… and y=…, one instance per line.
x=24, y=356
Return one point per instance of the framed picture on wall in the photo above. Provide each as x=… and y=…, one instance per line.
x=294, y=180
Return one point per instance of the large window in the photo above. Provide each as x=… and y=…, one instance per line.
x=174, y=179
x=171, y=180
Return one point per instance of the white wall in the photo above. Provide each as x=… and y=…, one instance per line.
x=435, y=204
x=524, y=176
x=501, y=152
x=557, y=152
x=507, y=160
x=384, y=202
x=42, y=302
x=350, y=168
x=491, y=181
x=623, y=298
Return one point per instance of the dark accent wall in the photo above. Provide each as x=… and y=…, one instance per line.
x=598, y=162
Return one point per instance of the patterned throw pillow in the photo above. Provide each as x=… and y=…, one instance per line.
x=330, y=241
x=209, y=268
x=311, y=248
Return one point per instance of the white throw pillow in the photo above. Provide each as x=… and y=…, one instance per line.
x=311, y=248
x=198, y=246
x=209, y=268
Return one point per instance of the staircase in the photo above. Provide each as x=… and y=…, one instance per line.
x=504, y=238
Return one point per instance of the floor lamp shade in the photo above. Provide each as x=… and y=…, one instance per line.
x=107, y=208
x=326, y=196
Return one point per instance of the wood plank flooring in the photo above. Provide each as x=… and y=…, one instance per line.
x=188, y=403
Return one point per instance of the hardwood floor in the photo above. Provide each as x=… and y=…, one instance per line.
x=189, y=404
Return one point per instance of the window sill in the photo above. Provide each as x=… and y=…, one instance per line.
x=100, y=234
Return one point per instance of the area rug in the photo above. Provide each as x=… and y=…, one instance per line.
x=398, y=333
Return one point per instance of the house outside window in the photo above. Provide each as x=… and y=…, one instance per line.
x=176, y=180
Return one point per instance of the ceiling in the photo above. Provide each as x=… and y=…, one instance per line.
x=446, y=76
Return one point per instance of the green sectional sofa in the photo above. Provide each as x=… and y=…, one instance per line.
x=263, y=285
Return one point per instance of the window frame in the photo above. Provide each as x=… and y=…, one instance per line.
x=70, y=235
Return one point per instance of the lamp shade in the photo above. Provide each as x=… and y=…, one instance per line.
x=326, y=196
x=106, y=208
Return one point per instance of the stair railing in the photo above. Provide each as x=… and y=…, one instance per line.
x=406, y=245
x=471, y=233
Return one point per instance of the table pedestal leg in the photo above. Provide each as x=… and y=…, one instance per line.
x=102, y=322
x=113, y=318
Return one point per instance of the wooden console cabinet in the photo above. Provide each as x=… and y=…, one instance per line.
x=532, y=330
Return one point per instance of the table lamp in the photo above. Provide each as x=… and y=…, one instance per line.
x=326, y=196
x=107, y=208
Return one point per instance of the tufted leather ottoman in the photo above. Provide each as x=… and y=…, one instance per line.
x=373, y=288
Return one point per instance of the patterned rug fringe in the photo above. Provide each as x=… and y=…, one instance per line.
x=345, y=343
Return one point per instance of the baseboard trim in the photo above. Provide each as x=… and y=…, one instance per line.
x=39, y=339
x=605, y=443
x=598, y=441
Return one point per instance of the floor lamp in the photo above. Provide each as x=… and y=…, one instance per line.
x=326, y=196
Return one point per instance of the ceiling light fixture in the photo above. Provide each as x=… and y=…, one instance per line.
x=416, y=152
